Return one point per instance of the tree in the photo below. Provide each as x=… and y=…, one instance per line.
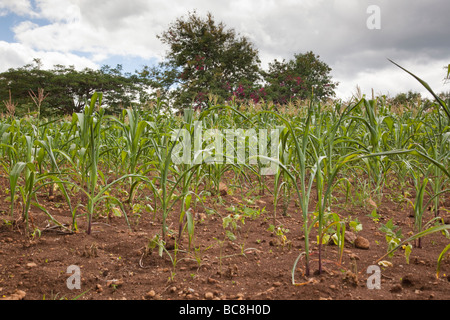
x=18, y=83
x=69, y=89
x=206, y=58
x=406, y=98
x=298, y=78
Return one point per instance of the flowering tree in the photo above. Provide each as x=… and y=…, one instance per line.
x=206, y=58
x=245, y=92
x=298, y=79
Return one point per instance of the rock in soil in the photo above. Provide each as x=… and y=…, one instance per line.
x=362, y=243
x=223, y=189
x=17, y=295
x=209, y=296
x=114, y=282
x=350, y=237
x=150, y=295
x=173, y=290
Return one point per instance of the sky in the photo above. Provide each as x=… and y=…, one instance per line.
x=354, y=37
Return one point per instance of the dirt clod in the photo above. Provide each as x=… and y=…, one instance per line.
x=408, y=281
x=396, y=288
x=362, y=243
x=17, y=295
x=209, y=296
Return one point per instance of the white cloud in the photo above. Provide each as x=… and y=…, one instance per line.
x=16, y=55
x=95, y=27
x=20, y=7
x=59, y=10
x=24, y=27
x=98, y=57
x=391, y=80
x=334, y=29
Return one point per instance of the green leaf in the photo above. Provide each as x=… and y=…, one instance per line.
x=441, y=256
x=37, y=205
x=325, y=239
x=226, y=221
x=14, y=175
x=116, y=212
x=356, y=226
x=230, y=235
x=423, y=233
x=408, y=250
x=190, y=225
x=423, y=83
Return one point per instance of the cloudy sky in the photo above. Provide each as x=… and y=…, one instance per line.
x=352, y=36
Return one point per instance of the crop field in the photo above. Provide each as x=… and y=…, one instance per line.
x=308, y=201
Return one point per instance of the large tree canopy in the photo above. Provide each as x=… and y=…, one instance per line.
x=299, y=78
x=206, y=58
x=68, y=89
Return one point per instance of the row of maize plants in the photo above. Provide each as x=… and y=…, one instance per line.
x=177, y=158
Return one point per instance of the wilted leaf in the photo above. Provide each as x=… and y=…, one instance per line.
x=385, y=263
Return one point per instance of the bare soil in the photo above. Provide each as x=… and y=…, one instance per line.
x=257, y=265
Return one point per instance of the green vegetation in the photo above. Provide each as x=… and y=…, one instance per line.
x=205, y=59
x=133, y=157
x=67, y=89
x=122, y=160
